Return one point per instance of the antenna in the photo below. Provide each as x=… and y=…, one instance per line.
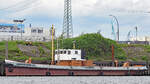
x=74, y=44
x=136, y=32
x=128, y=36
x=52, y=33
x=58, y=55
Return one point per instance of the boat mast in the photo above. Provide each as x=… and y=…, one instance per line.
x=52, y=32
x=58, y=56
x=113, y=58
x=74, y=44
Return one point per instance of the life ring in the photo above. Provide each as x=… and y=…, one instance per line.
x=10, y=68
x=48, y=73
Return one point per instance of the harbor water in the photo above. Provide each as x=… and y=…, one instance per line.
x=77, y=80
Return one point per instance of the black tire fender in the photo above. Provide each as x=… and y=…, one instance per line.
x=10, y=68
x=71, y=73
x=101, y=73
x=48, y=73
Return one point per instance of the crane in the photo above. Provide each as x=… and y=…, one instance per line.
x=128, y=36
x=113, y=30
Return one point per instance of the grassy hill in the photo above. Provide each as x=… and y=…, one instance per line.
x=97, y=48
x=137, y=52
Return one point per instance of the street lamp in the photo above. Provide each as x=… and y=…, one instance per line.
x=20, y=21
x=117, y=25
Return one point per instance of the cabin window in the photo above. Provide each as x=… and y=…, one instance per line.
x=64, y=52
x=33, y=30
x=73, y=58
x=40, y=31
x=76, y=52
x=69, y=52
x=61, y=52
x=56, y=52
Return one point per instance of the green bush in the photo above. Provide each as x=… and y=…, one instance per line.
x=2, y=57
x=134, y=59
x=121, y=57
x=95, y=45
x=41, y=50
x=145, y=58
x=21, y=42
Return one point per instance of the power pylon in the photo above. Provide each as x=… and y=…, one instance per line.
x=67, y=22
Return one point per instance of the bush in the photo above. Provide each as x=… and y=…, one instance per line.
x=41, y=50
x=95, y=45
x=121, y=57
x=145, y=58
x=134, y=59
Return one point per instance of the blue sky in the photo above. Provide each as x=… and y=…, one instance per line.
x=89, y=16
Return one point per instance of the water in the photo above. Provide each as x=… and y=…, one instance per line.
x=77, y=80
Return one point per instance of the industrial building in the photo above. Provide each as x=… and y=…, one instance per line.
x=145, y=38
x=139, y=40
x=20, y=32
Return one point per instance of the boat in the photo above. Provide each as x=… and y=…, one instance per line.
x=70, y=62
x=13, y=68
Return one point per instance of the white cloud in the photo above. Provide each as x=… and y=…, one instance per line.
x=129, y=12
x=5, y=21
x=80, y=7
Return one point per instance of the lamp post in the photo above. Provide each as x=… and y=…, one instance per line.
x=20, y=21
x=117, y=25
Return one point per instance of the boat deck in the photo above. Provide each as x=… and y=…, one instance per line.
x=19, y=64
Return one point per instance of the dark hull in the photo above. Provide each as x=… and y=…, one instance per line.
x=22, y=71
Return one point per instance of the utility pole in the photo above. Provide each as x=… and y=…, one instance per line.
x=136, y=32
x=74, y=44
x=128, y=36
x=6, y=49
x=113, y=58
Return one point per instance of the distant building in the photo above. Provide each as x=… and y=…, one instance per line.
x=139, y=40
x=37, y=34
x=146, y=38
x=13, y=32
x=11, y=28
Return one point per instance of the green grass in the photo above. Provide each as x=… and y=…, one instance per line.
x=12, y=46
x=134, y=59
x=41, y=59
x=2, y=46
x=145, y=58
x=41, y=50
x=97, y=48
